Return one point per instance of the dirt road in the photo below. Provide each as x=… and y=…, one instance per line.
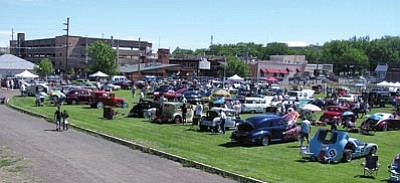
x=72, y=156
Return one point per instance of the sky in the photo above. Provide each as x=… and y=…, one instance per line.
x=190, y=24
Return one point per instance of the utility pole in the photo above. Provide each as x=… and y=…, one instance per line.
x=140, y=57
x=66, y=46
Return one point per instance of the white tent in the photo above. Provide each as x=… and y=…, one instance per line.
x=383, y=83
x=26, y=74
x=98, y=74
x=235, y=78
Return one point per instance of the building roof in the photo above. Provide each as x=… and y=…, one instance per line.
x=381, y=68
x=144, y=67
x=8, y=61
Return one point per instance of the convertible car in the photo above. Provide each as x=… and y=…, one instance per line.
x=381, y=121
x=335, y=146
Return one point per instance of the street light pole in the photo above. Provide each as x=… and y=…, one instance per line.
x=224, y=72
x=66, y=45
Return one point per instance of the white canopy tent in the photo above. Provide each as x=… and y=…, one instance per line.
x=235, y=78
x=26, y=74
x=383, y=83
x=98, y=74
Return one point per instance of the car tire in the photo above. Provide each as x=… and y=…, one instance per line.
x=100, y=105
x=124, y=105
x=203, y=128
x=347, y=155
x=265, y=141
x=74, y=102
x=178, y=119
x=373, y=150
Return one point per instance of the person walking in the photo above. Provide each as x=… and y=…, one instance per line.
x=57, y=118
x=133, y=90
x=305, y=131
x=65, y=120
x=12, y=85
x=222, y=122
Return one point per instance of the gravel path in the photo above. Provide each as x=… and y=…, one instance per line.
x=71, y=156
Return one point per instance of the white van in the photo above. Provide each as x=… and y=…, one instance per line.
x=254, y=104
x=116, y=79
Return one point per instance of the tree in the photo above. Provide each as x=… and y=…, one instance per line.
x=102, y=58
x=71, y=71
x=44, y=68
x=181, y=52
x=276, y=49
x=235, y=66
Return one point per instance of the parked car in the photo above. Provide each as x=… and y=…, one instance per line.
x=125, y=85
x=349, y=97
x=335, y=146
x=77, y=96
x=381, y=121
x=111, y=87
x=333, y=113
x=141, y=108
x=172, y=112
x=193, y=96
x=254, y=104
x=213, y=118
x=161, y=90
x=264, y=129
x=377, y=97
x=105, y=98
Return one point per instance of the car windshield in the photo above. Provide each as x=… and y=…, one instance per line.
x=359, y=143
x=327, y=137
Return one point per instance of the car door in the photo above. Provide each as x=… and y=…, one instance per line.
x=278, y=126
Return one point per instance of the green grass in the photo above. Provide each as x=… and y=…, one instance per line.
x=275, y=163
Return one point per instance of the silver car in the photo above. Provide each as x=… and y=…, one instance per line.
x=212, y=119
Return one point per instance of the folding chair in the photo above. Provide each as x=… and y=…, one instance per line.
x=371, y=165
x=394, y=170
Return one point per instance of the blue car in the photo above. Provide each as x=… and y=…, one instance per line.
x=335, y=146
x=264, y=129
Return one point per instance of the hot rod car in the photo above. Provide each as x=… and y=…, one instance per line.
x=381, y=121
x=335, y=146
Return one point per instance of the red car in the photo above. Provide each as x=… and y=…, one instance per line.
x=77, y=96
x=334, y=113
x=105, y=98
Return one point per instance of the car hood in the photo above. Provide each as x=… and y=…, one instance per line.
x=332, y=113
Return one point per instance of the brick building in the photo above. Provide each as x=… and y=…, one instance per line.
x=128, y=51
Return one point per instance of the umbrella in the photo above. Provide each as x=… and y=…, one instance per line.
x=221, y=93
x=311, y=107
x=347, y=113
x=271, y=79
x=219, y=101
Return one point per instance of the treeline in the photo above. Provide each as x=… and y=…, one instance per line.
x=356, y=55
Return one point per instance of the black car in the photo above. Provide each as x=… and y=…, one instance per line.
x=139, y=109
x=264, y=129
x=125, y=85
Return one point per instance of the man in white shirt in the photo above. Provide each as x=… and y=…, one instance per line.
x=305, y=131
x=222, y=122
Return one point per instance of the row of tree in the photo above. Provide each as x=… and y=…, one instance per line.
x=348, y=56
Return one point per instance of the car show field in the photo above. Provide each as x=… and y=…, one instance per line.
x=278, y=162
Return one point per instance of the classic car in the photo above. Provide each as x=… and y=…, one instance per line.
x=141, y=108
x=105, y=98
x=77, y=96
x=381, y=121
x=349, y=97
x=335, y=146
x=332, y=113
x=213, y=117
x=111, y=87
x=264, y=129
x=161, y=90
x=193, y=96
x=172, y=112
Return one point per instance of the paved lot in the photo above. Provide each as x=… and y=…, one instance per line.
x=73, y=156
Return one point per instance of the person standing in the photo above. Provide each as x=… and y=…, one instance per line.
x=133, y=90
x=65, y=119
x=8, y=84
x=141, y=96
x=23, y=89
x=305, y=131
x=222, y=122
x=184, y=113
x=197, y=113
x=57, y=118
x=12, y=85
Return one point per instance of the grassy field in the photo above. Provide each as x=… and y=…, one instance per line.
x=275, y=163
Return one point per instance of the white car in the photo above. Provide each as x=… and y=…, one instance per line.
x=349, y=97
x=111, y=87
x=213, y=117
